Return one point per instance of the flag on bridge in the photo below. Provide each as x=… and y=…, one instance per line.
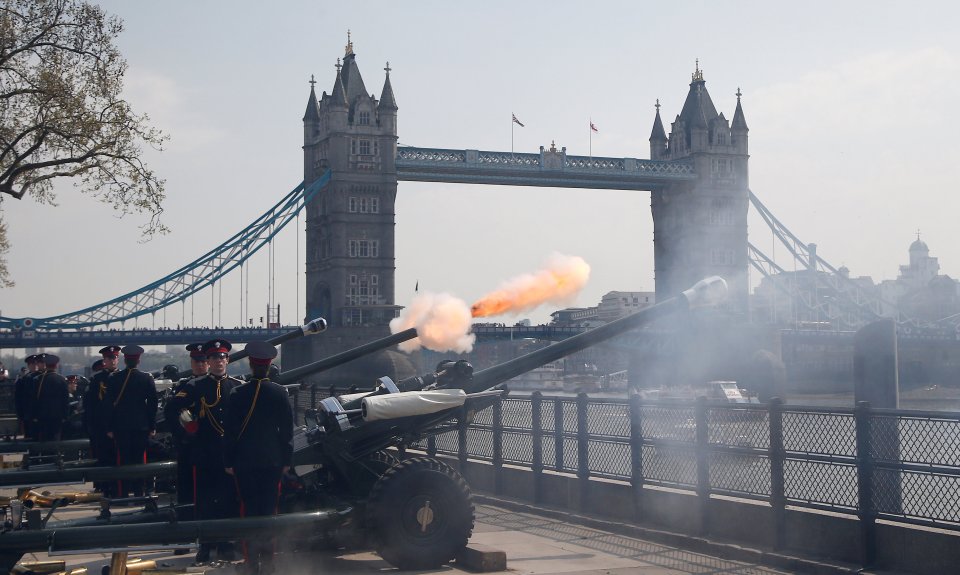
x=516, y=120
x=593, y=127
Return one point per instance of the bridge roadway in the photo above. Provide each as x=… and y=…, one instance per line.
x=536, y=542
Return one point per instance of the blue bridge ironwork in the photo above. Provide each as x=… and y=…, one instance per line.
x=549, y=168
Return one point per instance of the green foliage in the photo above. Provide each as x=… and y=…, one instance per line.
x=62, y=115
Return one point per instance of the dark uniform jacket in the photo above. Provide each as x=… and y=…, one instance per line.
x=207, y=398
x=21, y=395
x=259, y=431
x=96, y=415
x=50, y=398
x=131, y=401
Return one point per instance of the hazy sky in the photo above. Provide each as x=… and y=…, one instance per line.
x=852, y=109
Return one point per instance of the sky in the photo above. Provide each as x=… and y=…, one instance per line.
x=854, y=137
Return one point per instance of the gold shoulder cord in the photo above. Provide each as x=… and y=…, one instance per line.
x=124, y=388
x=205, y=410
x=253, y=404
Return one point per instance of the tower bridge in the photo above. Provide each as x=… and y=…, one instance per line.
x=697, y=177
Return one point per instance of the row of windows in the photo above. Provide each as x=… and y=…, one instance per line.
x=365, y=147
x=721, y=257
x=372, y=279
x=721, y=212
x=722, y=167
x=364, y=205
x=363, y=248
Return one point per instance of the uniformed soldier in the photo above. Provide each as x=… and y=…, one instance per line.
x=215, y=494
x=50, y=401
x=21, y=394
x=96, y=414
x=183, y=430
x=259, y=447
x=131, y=400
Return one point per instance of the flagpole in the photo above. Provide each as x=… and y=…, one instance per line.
x=590, y=129
x=511, y=133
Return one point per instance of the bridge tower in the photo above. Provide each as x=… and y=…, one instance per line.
x=350, y=223
x=700, y=226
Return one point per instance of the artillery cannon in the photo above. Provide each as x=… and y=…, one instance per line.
x=417, y=513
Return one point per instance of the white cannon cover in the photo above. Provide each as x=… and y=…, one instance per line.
x=407, y=403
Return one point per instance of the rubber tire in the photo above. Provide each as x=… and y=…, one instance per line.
x=400, y=496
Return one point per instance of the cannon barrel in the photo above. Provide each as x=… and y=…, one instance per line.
x=706, y=292
x=311, y=327
x=26, y=446
x=291, y=376
x=85, y=474
x=115, y=537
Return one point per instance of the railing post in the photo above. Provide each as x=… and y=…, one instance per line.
x=777, y=455
x=313, y=396
x=498, y=446
x=462, y=441
x=432, y=446
x=332, y=391
x=703, y=463
x=583, y=451
x=867, y=506
x=536, y=409
x=558, y=427
x=636, y=454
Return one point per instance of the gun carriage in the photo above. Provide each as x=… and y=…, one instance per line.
x=347, y=485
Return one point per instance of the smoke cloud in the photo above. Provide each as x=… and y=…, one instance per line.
x=558, y=283
x=442, y=321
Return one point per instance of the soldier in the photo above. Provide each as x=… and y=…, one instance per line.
x=215, y=494
x=21, y=394
x=96, y=414
x=50, y=401
x=183, y=430
x=131, y=401
x=259, y=447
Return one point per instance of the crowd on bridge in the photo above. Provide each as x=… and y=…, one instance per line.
x=234, y=438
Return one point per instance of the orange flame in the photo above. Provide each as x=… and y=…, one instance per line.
x=559, y=284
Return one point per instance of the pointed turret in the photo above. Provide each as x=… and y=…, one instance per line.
x=352, y=81
x=311, y=117
x=387, y=101
x=739, y=129
x=387, y=108
x=739, y=122
x=658, y=137
x=313, y=109
x=698, y=112
x=338, y=97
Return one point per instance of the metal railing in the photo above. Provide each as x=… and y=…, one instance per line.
x=896, y=465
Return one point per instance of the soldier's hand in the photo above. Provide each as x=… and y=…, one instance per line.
x=153, y=432
x=110, y=434
x=229, y=470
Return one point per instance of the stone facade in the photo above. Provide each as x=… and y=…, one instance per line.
x=700, y=227
x=350, y=223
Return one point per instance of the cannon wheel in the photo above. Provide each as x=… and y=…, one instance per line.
x=420, y=514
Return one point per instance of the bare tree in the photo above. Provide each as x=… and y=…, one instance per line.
x=62, y=114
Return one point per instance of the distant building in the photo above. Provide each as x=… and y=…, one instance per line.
x=918, y=293
x=613, y=305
